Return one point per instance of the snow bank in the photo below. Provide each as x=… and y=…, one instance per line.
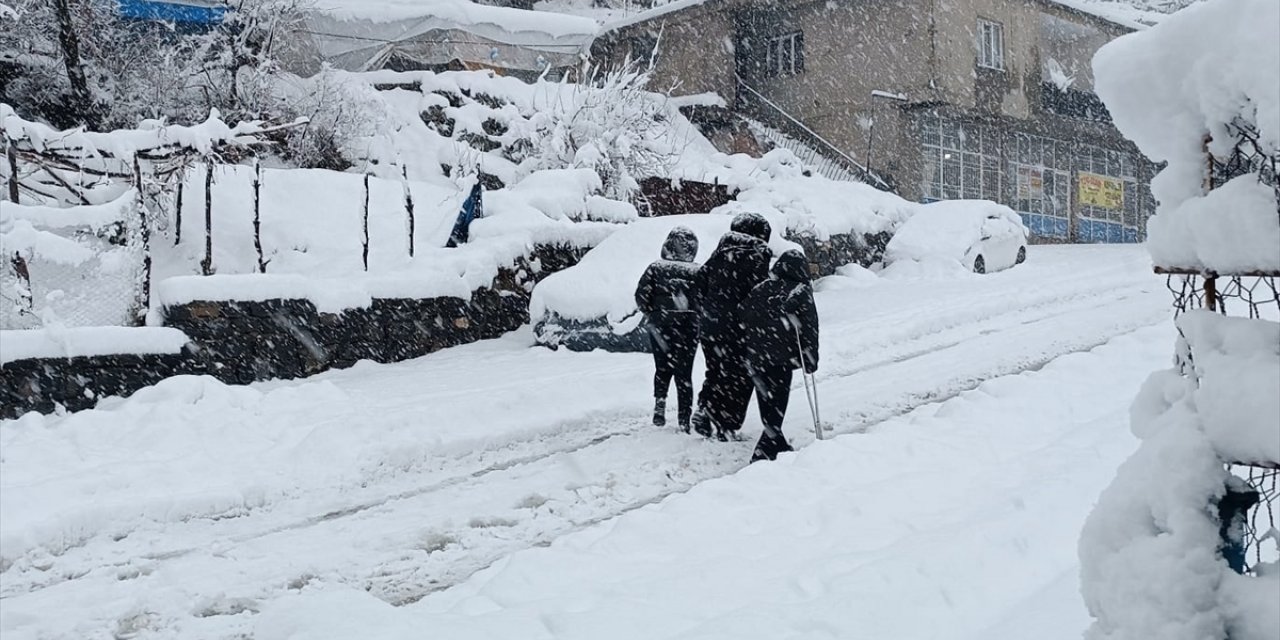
x=1201, y=69
x=68, y=342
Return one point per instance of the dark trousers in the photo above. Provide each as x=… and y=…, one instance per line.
x=726, y=390
x=773, y=390
x=674, y=347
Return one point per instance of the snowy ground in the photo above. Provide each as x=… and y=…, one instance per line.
x=195, y=509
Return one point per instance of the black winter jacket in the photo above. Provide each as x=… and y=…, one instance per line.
x=774, y=309
x=667, y=292
x=739, y=263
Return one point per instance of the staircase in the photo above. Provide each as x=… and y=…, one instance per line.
x=818, y=154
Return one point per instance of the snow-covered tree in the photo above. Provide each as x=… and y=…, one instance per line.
x=615, y=125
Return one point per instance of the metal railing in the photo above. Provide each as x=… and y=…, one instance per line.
x=818, y=144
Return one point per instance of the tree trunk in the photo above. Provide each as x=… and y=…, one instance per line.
x=69, y=40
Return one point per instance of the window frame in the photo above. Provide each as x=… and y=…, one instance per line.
x=990, y=44
x=784, y=54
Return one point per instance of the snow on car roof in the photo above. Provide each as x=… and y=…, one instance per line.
x=946, y=228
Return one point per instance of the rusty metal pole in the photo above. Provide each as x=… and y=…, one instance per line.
x=1211, y=293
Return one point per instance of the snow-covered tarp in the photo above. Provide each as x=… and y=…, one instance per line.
x=364, y=35
x=1210, y=66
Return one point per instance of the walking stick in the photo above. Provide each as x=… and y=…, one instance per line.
x=810, y=392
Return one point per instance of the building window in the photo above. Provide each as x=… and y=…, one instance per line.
x=990, y=45
x=1041, y=172
x=961, y=160
x=784, y=55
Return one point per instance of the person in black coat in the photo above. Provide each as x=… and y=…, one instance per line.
x=739, y=263
x=780, y=325
x=668, y=297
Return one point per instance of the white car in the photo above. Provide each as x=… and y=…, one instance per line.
x=981, y=235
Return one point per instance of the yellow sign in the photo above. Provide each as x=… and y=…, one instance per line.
x=1101, y=191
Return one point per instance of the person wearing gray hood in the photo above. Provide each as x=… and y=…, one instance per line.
x=668, y=297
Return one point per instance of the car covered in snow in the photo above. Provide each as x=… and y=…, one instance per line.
x=980, y=235
x=592, y=304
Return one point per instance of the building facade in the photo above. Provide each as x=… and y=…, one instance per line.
x=984, y=99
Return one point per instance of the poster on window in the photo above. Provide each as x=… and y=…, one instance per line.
x=1101, y=191
x=1030, y=183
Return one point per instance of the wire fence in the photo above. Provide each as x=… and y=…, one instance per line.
x=1254, y=295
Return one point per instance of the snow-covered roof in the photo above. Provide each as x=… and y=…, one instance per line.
x=1122, y=14
x=359, y=35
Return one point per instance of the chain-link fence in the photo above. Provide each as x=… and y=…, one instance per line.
x=1254, y=295
x=80, y=279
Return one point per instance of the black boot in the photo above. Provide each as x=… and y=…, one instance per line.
x=684, y=419
x=701, y=423
x=659, y=412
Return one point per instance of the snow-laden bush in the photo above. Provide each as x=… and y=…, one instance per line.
x=612, y=124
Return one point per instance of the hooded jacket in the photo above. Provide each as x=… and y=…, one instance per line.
x=771, y=313
x=667, y=292
x=739, y=263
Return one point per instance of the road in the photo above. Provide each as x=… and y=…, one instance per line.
x=405, y=479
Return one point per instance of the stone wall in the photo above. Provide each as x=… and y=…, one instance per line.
x=240, y=342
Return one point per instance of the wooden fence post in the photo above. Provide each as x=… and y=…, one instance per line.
x=27, y=303
x=11, y=150
x=206, y=265
x=257, y=220
x=177, y=218
x=144, y=231
x=408, y=204
x=364, y=256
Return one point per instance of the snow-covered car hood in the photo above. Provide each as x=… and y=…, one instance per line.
x=950, y=228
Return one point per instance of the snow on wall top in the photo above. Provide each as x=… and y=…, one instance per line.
x=1167, y=87
x=71, y=342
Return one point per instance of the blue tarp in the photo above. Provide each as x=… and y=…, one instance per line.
x=472, y=209
x=189, y=13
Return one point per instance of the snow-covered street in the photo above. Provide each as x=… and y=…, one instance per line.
x=986, y=412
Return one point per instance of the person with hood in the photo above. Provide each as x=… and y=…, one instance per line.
x=739, y=263
x=780, y=325
x=668, y=297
